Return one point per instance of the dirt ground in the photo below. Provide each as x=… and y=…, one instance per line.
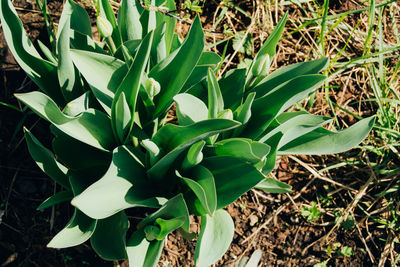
x=266, y=222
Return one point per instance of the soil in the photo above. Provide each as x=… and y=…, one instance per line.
x=266, y=222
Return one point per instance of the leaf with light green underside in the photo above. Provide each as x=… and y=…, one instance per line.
x=207, y=60
x=47, y=52
x=78, y=105
x=201, y=181
x=215, y=100
x=79, y=19
x=190, y=109
x=271, y=185
x=216, y=234
x=242, y=148
x=174, y=139
x=170, y=22
x=80, y=228
x=131, y=83
x=143, y=253
x=128, y=20
x=323, y=141
x=287, y=73
x=69, y=78
x=109, y=237
x=194, y=156
x=293, y=125
x=76, y=155
x=91, y=127
x=42, y=72
x=106, y=79
x=158, y=50
x=107, y=11
x=232, y=88
x=167, y=226
x=80, y=41
x=56, y=199
x=233, y=177
x=173, y=208
x=123, y=186
x=243, y=113
x=266, y=108
x=173, y=71
x=46, y=161
x=267, y=50
x=122, y=117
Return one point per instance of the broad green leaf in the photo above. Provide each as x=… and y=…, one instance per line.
x=47, y=52
x=46, y=161
x=232, y=88
x=190, y=109
x=271, y=185
x=170, y=22
x=56, y=199
x=76, y=155
x=167, y=226
x=131, y=83
x=128, y=20
x=242, y=148
x=122, y=117
x=207, y=60
x=71, y=84
x=174, y=139
x=80, y=228
x=294, y=124
x=174, y=70
x=78, y=105
x=266, y=108
x=131, y=46
x=266, y=52
x=80, y=41
x=109, y=238
x=233, y=177
x=143, y=253
x=158, y=47
x=148, y=19
x=215, y=100
x=287, y=73
x=123, y=186
x=216, y=234
x=78, y=17
x=107, y=77
x=42, y=72
x=194, y=155
x=323, y=141
x=243, y=113
x=104, y=9
x=91, y=127
x=201, y=182
x=173, y=208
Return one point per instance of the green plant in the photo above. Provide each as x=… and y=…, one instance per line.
x=113, y=148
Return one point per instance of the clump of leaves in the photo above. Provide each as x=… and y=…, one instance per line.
x=113, y=150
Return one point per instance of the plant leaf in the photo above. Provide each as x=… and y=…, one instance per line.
x=104, y=9
x=123, y=186
x=215, y=100
x=216, y=234
x=194, y=155
x=109, y=238
x=143, y=253
x=107, y=77
x=56, y=199
x=322, y=141
x=91, y=127
x=232, y=88
x=46, y=161
x=190, y=109
x=128, y=20
x=266, y=108
x=242, y=148
x=271, y=185
x=174, y=70
x=42, y=72
x=174, y=139
x=233, y=177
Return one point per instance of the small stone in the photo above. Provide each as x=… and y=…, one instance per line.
x=253, y=219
